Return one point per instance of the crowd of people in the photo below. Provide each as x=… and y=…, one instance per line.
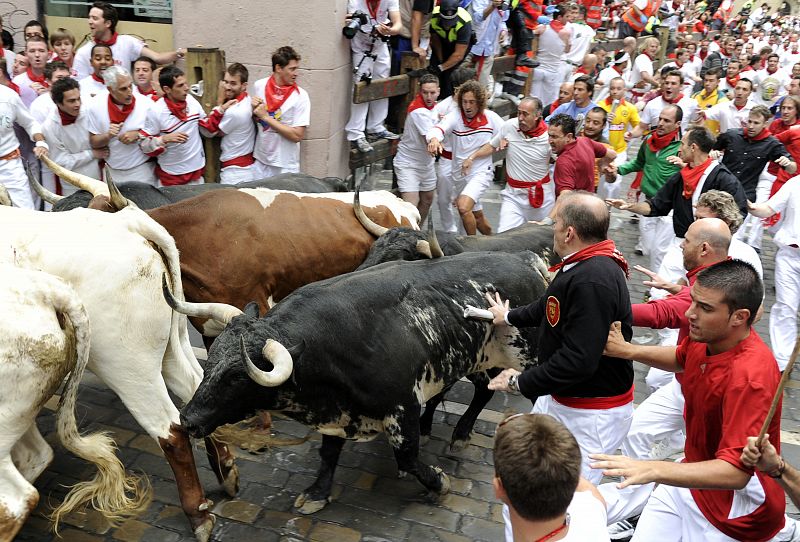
x=718, y=133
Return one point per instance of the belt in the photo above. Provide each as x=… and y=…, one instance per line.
x=535, y=190
x=13, y=154
x=596, y=403
x=239, y=161
x=571, y=63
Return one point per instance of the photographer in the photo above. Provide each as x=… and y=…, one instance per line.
x=366, y=27
x=451, y=38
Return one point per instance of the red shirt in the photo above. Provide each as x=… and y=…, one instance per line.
x=728, y=396
x=575, y=165
x=666, y=313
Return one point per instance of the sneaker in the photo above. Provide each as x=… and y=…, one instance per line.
x=622, y=530
x=362, y=144
x=385, y=134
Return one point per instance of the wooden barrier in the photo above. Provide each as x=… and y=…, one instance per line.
x=207, y=65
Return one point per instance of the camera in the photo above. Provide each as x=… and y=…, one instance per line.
x=358, y=19
x=505, y=6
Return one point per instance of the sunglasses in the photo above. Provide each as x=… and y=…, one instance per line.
x=508, y=419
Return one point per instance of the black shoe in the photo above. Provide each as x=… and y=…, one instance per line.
x=526, y=62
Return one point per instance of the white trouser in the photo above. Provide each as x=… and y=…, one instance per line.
x=783, y=317
x=658, y=418
x=237, y=174
x=516, y=209
x=546, y=82
x=597, y=431
x=369, y=114
x=143, y=173
x=445, y=196
x=264, y=171
x=485, y=75
x=13, y=177
x=608, y=190
x=414, y=179
x=473, y=185
x=752, y=230
x=655, y=235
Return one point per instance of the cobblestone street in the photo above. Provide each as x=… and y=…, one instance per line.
x=370, y=503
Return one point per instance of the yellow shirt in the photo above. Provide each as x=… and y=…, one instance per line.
x=704, y=102
x=625, y=115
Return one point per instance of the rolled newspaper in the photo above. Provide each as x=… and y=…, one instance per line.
x=478, y=314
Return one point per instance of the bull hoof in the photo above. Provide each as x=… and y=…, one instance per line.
x=424, y=440
x=445, y=489
x=203, y=531
x=231, y=482
x=459, y=445
x=401, y=474
x=306, y=507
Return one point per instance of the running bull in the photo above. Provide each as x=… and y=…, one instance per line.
x=309, y=356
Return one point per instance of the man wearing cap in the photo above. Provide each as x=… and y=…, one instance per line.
x=451, y=38
x=616, y=69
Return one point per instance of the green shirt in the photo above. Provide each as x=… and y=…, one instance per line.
x=654, y=165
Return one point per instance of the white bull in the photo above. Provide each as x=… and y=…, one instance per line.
x=44, y=328
x=139, y=347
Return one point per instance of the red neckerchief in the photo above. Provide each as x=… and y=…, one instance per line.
x=13, y=86
x=763, y=134
x=773, y=71
x=645, y=53
x=66, y=119
x=98, y=79
x=679, y=64
x=555, y=532
x=747, y=69
x=739, y=108
x=373, y=5
x=691, y=274
x=37, y=78
x=691, y=176
x=554, y=106
x=152, y=93
x=241, y=96
x=276, y=95
x=179, y=109
x=603, y=248
x=111, y=41
x=618, y=70
x=581, y=70
x=2, y=53
x=732, y=82
x=702, y=54
x=609, y=101
x=117, y=115
x=538, y=130
x=476, y=122
x=418, y=103
x=657, y=142
x=677, y=98
x=557, y=26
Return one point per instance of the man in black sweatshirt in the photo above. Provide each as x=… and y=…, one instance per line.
x=574, y=382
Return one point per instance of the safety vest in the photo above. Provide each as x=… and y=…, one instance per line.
x=637, y=18
x=594, y=13
x=463, y=18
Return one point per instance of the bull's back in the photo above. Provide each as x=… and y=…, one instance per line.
x=239, y=246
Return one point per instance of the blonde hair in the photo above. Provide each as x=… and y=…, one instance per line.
x=62, y=34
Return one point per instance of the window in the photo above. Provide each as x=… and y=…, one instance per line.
x=143, y=11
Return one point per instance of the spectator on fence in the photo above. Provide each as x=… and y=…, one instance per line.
x=554, y=42
x=103, y=19
x=487, y=22
x=283, y=111
x=114, y=123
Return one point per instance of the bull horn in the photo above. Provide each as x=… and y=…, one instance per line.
x=40, y=190
x=84, y=182
x=118, y=201
x=278, y=356
x=5, y=199
x=424, y=248
x=219, y=312
x=375, y=229
x=436, y=249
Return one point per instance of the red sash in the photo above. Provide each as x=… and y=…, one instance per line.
x=596, y=403
x=239, y=161
x=179, y=109
x=275, y=95
x=535, y=189
x=168, y=179
x=603, y=248
x=117, y=115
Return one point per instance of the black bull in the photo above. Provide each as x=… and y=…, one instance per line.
x=365, y=350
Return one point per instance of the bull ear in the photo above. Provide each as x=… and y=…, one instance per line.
x=252, y=310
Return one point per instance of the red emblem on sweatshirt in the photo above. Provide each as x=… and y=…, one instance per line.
x=553, y=310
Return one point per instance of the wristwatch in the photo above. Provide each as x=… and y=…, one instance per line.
x=513, y=385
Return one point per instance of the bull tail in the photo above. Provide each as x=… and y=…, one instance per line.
x=112, y=492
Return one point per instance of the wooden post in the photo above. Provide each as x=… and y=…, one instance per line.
x=529, y=81
x=207, y=65
x=663, y=39
x=409, y=61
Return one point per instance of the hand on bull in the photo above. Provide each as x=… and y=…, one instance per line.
x=498, y=308
x=500, y=382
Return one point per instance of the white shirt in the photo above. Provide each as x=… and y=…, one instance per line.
x=12, y=110
x=642, y=64
x=588, y=519
x=467, y=140
x=769, y=87
x=42, y=107
x=787, y=202
x=527, y=158
x=739, y=250
x=238, y=130
x=177, y=158
x=605, y=76
x=688, y=70
x=273, y=149
x=362, y=39
x=69, y=145
x=120, y=155
x=728, y=115
x=91, y=89
x=550, y=54
x=582, y=37
x=441, y=110
x=412, y=151
x=650, y=113
x=124, y=51
x=26, y=92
